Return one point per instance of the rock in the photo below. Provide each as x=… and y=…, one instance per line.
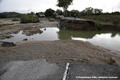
x=111, y=61
x=8, y=36
x=4, y=36
x=51, y=20
x=8, y=44
x=25, y=39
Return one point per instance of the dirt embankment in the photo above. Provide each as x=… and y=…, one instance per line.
x=61, y=51
x=86, y=25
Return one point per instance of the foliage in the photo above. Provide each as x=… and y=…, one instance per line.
x=91, y=11
x=74, y=13
x=104, y=19
x=59, y=12
x=49, y=13
x=64, y=4
x=29, y=18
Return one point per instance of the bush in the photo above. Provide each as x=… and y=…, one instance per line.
x=29, y=18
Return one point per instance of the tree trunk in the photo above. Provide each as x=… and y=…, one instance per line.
x=65, y=12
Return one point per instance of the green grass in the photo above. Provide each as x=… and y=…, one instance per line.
x=104, y=19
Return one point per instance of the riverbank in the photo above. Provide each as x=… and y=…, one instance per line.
x=61, y=51
x=70, y=23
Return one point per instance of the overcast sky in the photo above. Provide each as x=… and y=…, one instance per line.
x=25, y=6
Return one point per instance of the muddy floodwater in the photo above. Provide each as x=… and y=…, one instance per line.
x=106, y=39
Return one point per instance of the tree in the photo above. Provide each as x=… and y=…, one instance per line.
x=59, y=12
x=89, y=11
x=49, y=13
x=64, y=4
x=75, y=12
x=98, y=11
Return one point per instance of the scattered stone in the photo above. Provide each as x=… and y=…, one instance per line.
x=84, y=60
x=51, y=20
x=73, y=59
x=25, y=39
x=4, y=36
x=7, y=36
x=111, y=61
x=8, y=44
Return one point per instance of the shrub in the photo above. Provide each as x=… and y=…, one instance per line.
x=29, y=18
x=116, y=22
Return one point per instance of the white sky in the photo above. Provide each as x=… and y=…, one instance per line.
x=24, y=6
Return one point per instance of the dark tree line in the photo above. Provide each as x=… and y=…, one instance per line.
x=9, y=15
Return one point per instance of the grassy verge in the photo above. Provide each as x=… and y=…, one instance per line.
x=104, y=19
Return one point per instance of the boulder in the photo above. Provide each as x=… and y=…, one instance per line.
x=25, y=39
x=8, y=44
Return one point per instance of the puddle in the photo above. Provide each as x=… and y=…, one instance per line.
x=48, y=34
x=106, y=39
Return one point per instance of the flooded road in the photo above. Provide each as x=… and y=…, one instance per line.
x=48, y=34
x=106, y=39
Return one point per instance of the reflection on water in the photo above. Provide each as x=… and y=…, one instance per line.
x=48, y=34
x=104, y=40
x=107, y=39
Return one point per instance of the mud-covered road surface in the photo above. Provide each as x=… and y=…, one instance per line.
x=43, y=70
x=60, y=51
